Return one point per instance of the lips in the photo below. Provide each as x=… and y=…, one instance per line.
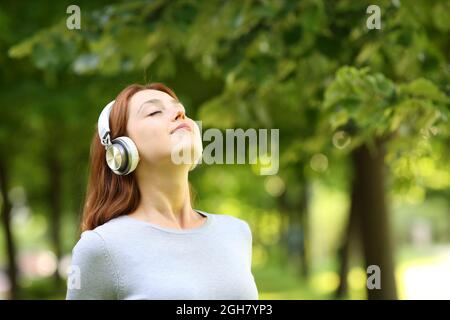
x=182, y=126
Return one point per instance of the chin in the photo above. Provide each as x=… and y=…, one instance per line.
x=186, y=149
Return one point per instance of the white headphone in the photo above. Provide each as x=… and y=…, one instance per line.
x=122, y=155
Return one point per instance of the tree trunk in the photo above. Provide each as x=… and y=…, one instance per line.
x=295, y=228
x=345, y=250
x=284, y=211
x=6, y=223
x=54, y=200
x=304, y=252
x=373, y=216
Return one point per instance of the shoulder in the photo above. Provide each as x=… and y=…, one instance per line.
x=90, y=246
x=89, y=240
x=232, y=222
x=94, y=242
x=98, y=237
x=113, y=226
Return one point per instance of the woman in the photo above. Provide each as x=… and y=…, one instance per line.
x=141, y=238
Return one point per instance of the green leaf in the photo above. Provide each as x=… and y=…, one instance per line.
x=425, y=89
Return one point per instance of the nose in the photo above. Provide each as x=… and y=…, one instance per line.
x=180, y=115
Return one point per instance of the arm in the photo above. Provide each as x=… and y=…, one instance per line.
x=91, y=274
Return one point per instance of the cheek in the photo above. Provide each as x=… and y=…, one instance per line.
x=150, y=140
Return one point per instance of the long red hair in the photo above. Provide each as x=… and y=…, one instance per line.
x=109, y=195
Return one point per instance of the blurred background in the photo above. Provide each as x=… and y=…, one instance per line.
x=364, y=166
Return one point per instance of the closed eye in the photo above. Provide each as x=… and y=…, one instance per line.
x=153, y=113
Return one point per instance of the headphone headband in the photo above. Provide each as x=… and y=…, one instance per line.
x=103, y=125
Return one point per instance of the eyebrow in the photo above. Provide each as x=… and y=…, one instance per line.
x=158, y=102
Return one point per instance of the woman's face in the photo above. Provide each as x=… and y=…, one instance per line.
x=153, y=118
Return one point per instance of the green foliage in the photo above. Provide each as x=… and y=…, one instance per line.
x=309, y=68
x=372, y=106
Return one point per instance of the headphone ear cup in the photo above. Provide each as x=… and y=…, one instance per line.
x=131, y=153
x=123, y=157
x=116, y=157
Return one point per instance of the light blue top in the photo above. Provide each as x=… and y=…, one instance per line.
x=127, y=258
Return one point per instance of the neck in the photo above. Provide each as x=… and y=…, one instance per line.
x=165, y=194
